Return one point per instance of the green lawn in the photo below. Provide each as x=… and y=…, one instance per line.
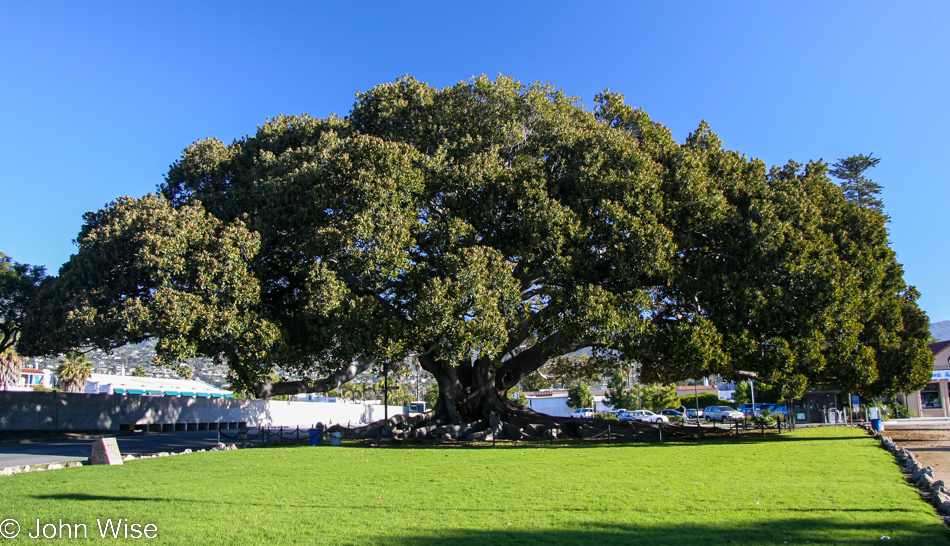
x=817, y=486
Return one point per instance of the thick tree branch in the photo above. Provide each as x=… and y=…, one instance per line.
x=328, y=383
x=531, y=359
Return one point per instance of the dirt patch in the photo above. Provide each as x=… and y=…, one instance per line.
x=929, y=443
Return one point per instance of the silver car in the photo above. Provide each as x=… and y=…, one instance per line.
x=722, y=414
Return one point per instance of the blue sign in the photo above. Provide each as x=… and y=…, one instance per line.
x=855, y=400
x=940, y=375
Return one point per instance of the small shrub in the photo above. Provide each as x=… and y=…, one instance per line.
x=607, y=415
x=766, y=418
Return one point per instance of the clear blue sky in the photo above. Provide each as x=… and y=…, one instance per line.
x=98, y=98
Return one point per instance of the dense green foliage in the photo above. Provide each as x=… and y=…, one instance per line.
x=18, y=282
x=488, y=228
x=617, y=396
x=578, y=396
x=656, y=397
x=817, y=486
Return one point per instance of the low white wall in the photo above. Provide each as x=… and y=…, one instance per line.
x=75, y=411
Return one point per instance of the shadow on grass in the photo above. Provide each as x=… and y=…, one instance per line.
x=798, y=531
x=719, y=439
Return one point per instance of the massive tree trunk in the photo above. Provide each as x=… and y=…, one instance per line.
x=473, y=401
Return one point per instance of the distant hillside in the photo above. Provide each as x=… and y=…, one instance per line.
x=940, y=330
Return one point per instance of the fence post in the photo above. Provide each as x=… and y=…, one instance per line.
x=608, y=434
x=660, y=427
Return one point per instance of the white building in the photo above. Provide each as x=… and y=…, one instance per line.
x=100, y=383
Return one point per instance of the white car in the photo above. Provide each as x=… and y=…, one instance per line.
x=643, y=415
x=583, y=413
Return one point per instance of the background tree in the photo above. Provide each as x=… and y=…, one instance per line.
x=431, y=396
x=656, y=397
x=578, y=396
x=139, y=371
x=617, y=396
x=487, y=229
x=73, y=372
x=858, y=188
x=185, y=371
x=10, y=367
x=18, y=282
x=764, y=393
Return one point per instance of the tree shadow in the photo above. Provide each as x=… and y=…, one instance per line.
x=779, y=531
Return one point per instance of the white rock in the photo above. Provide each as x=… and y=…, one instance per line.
x=54, y=466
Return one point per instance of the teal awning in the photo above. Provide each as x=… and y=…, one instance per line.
x=172, y=393
x=183, y=393
x=118, y=391
x=136, y=391
x=204, y=394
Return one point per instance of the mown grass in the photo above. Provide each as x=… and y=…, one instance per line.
x=817, y=486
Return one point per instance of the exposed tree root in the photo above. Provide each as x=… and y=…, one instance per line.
x=520, y=425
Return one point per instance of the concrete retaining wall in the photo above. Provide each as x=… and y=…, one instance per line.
x=74, y=411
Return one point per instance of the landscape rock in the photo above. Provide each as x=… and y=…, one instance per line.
x=129, y=458
x=54, y=467
x=106, y=451
x=921, y=473
x=186, y=451
x=939, y=498
x=7, y=471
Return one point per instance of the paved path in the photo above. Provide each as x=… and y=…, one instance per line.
x=63, y=450
x=927, y=439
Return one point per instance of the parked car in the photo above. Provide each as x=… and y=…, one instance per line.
x=643, y=415
x=778, y=408
x=694, y=413
x=671, y=413
x=752, y=410
x=722, y=414
x=583, y=413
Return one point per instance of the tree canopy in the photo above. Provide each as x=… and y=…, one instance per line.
x=17, y=285
x=486, y=229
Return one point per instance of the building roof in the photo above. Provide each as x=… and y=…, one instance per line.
x=938, y=346
x=131, y=384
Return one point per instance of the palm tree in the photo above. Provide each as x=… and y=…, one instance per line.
x=10, y=365
x=185, y=371
x=73, y=372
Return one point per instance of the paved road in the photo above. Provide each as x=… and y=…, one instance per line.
x=63, y=450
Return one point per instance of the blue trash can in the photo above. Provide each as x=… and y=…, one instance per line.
x=316, y=434
x=877, y=425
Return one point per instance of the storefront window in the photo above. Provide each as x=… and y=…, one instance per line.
x=930, y=396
